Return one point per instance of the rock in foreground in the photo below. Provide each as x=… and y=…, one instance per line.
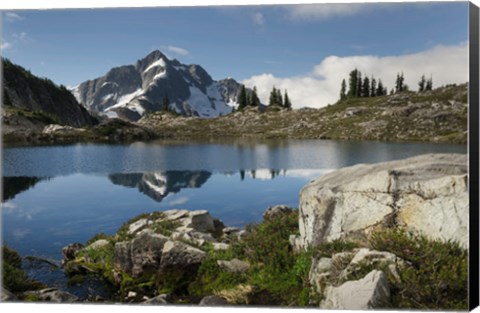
x=426, y=194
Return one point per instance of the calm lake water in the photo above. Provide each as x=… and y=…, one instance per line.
x=62, y=194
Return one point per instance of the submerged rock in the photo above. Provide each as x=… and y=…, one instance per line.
x=426, y=193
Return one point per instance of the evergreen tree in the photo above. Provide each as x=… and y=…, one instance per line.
x=275, y=97
x=242, y=98
x=352, y=83
x=366, y=87
x=359, y=85
x=343, y=90
x=166, y=103
x=287, y=104
x=373, y=86
x=399, y=83
x=421, y=84
x=380, y=89
x=429, y=84
x=253, y=100
x=279, y=98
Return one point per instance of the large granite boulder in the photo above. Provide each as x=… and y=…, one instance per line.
x=427, y=194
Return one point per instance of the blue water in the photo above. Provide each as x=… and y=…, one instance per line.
x=62, y=194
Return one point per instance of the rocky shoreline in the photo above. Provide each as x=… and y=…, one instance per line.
x=387, y=235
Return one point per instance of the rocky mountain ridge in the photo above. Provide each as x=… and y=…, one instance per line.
x=157, y=83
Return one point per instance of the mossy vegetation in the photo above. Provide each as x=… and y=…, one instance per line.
x=14, y=278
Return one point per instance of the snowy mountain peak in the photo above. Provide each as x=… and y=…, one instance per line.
x=155, y=82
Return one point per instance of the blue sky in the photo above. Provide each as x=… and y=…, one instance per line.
x=71, y=46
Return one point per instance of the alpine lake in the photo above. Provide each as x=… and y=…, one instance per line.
x=56, y=195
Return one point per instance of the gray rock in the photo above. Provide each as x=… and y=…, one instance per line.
x=370, y=292
x=6, y=295
x=160, y=299
x=319, y=273
x=276, y=210
x=427, y=193
x=71, y=250
x=378, y=259
x=100, y=243
x=213, y=301
x=233, y=266
x=141, y=254
x=136, y=226
x=201, y=221
x=220, y=246
x=179, y=255
x=53, y=295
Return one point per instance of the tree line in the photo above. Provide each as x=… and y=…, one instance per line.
x=369, y=87
x=245, y=99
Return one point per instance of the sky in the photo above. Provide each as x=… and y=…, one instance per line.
x=305, y=49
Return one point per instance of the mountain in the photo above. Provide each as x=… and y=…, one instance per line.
x=158, y=185
x=25, y=92
x=132, y=90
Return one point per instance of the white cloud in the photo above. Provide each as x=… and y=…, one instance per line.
x=177, y=50
x=446, y=64
x=179, y=201
x=5, y=45
x=13, y=17
x=20, y=36
x=258, y=19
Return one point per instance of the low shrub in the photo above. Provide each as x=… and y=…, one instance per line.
x=436, y=276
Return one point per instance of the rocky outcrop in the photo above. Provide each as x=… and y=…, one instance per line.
x=370, y=292
x=426, y=194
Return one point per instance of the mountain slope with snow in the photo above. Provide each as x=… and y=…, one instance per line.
x=131, y=91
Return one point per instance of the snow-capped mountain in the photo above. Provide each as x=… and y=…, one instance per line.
x=132, y=90
x=158, y=185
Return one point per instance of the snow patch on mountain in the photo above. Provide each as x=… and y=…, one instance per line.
x=160, y=62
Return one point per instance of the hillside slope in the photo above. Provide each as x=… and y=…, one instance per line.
x=27, y=94
x=438, y=116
